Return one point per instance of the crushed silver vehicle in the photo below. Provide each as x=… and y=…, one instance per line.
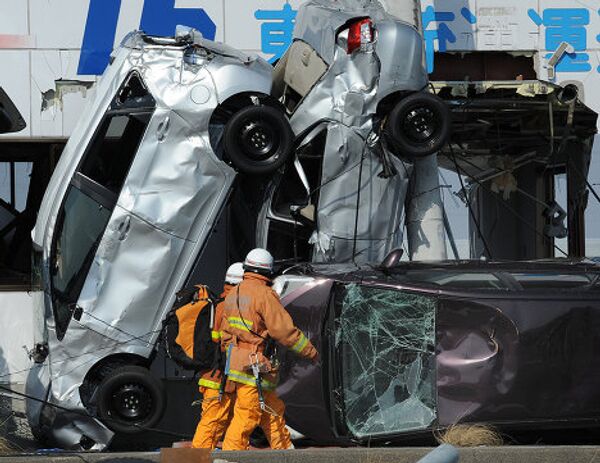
x=355, y=86
x=137, y=192
x=180, y=166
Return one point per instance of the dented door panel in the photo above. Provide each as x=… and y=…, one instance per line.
x=518, y=360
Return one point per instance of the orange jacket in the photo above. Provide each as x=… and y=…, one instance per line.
x=210, y=379
x=253, y=314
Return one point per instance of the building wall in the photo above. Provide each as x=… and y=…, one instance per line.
x=42, y=41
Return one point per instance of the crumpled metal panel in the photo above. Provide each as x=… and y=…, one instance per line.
x=171, y=197
x=121, y=296
x=386, y=339
x=346, y=190
x=347, y=97
x=401, y=51
x=346, y=94
x=478, y=361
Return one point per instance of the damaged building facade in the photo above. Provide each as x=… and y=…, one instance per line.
x=169, y=105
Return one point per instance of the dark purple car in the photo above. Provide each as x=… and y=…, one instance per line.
x=418, y=347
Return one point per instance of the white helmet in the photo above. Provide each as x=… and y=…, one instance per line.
x=235, y=274
x=260, y=261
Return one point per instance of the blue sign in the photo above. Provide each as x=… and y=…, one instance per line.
x=159, y=17
x=442, y=33
x=566, y=25
x=277, y=30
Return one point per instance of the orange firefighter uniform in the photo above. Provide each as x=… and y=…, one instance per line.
x=253, y=314
x=216, y=414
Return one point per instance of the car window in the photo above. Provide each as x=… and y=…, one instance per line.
x=80, y=227
x=385, y=341
x=114, y=149
x=115, y=144
x=557, y=280
x=456, y=280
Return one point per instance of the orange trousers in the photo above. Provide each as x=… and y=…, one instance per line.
x=247, y=415
x=214, y=420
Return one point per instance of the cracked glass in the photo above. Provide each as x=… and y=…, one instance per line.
x=386, y=341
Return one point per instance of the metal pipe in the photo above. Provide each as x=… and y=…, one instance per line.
x=425, y=213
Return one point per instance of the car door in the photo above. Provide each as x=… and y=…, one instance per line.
x=10, y=117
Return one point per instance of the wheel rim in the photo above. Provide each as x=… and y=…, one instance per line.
x=258, y=139
x=132, y=402
x=420, y=124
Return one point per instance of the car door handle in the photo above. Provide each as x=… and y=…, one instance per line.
x=124, y=228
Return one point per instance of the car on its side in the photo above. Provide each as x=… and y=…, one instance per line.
x=411, y=348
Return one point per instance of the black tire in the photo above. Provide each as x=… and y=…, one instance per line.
x=258, y=140
x=130, y=400
x=419, y=125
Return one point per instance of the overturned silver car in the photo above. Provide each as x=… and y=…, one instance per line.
x=191, y=154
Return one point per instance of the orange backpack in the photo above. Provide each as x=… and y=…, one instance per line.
x=188, y=330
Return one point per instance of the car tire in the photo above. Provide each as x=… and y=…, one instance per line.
x=258, y=140
x=130, y=400
x=419, y=125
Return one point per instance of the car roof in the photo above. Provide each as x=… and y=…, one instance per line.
x=470, y=275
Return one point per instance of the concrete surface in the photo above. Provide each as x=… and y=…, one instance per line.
x=507, y=454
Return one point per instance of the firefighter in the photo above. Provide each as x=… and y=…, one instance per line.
x=216, y=403
x=253, y=317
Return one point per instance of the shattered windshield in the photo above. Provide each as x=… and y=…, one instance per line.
x=385, y=339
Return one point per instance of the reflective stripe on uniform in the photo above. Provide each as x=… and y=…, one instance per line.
x=240, y=323
x=216, y=335
x=300, y=344
x=209, y=384
x=249, y=380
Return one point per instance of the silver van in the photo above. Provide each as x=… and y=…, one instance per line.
x=132, y=202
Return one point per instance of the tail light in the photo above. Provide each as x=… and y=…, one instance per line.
x=360, y=32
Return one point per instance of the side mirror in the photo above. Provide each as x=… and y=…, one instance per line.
x=392, y=259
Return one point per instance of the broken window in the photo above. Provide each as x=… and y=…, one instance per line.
x=80, y=228
x=386, y=342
